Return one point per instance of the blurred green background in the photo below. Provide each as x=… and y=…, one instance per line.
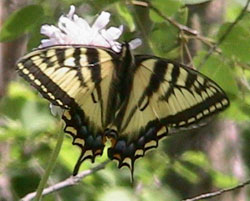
x=185, y=164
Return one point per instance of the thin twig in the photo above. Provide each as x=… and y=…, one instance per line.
x=71, y=181
x=189, y=32
x=171, y=21
x=217, y=193
x=225, y=35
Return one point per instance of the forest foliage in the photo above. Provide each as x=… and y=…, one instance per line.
x=30, y=130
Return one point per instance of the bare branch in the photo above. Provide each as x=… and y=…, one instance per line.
x=71, y=181
x=224, y=36
x=217, y=193
x=171, y=21
x=189, y=32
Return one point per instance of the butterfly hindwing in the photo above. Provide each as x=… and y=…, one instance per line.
x=90, y=140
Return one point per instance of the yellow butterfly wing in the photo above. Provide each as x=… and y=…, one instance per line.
x=78, y=79
x=163, y=94
x=131, y=100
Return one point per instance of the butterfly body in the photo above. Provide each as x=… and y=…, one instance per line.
x=131, y=100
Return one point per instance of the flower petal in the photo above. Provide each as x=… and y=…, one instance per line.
x=114, y=33
x=73, y=29
x=133, y=44
x=101, y=21
x=71, y=12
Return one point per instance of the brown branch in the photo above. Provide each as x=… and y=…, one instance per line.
x=225, y=35
x=71, y=181
x=217, y=193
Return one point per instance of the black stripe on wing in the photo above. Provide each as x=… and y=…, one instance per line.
x=126, y=152
x=185, y=85
x=39, y=80
x=49, y=69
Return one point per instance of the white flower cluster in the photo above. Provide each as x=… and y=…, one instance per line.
x=73, y=29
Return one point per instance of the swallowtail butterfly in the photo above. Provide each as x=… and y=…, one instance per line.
x=131, y=100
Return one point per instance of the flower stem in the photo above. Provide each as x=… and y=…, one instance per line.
x=49, y=168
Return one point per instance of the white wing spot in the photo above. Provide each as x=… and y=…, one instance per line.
x=191, y=120
x=218, y=105
x=152, y=143
x=212, y=108
x=71, y=130
x=25, y=71
x=44, y=88
x=80, y=141
x=59, y=102
x=37, y=82
x=51, y=95
x=182, y=123
x=20, y=66
x=225, y=102
x=31, y=76
x=206, y=112
x=200, y=115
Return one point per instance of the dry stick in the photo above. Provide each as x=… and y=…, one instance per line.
x=71, y=181
x=217, y=193
x=224, y=36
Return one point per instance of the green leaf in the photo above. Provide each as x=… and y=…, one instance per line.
x=69, y=154
x=126, y=15
x=186, y=172
x=181, y=16
x=221, y=180
x=168, y=8
x=236, y=45
x=196, y=157
x=232, y=11
x=20, y=22
x=165, y=39
x=225, y=75
x=35, y=117
x=120, y=194
x=219, y=71
x=153, y=192
x=239, y=110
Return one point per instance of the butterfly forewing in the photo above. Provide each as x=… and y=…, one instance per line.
x=182, y=96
